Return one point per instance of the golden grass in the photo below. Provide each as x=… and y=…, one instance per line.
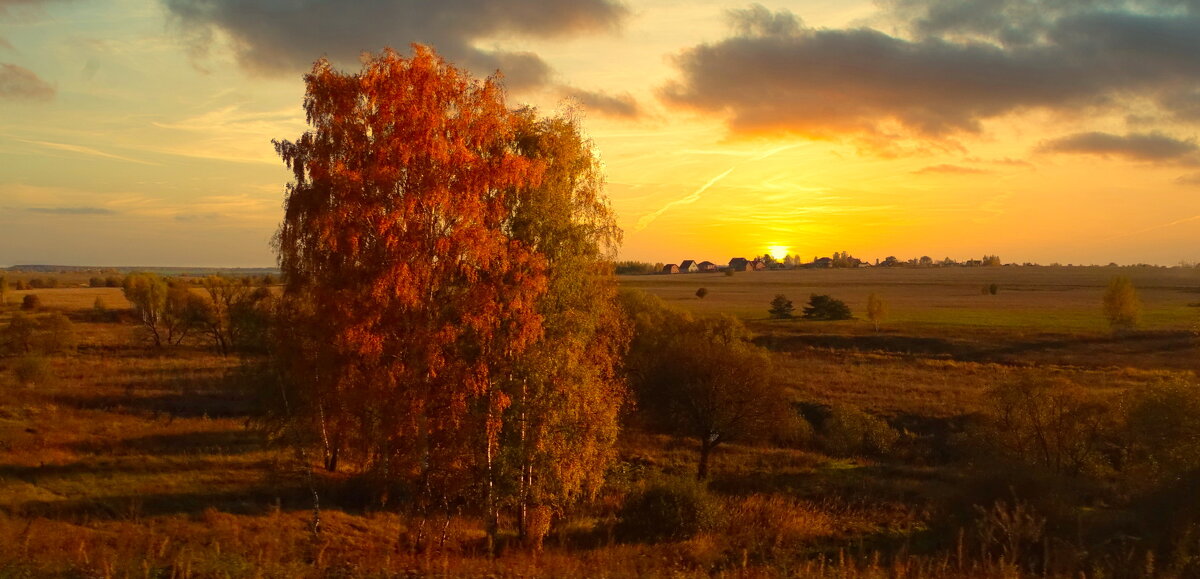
x=134, y=462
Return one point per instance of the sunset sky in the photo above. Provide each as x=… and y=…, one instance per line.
x=137, y=132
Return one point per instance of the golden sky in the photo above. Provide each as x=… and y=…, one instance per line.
x=137, y=132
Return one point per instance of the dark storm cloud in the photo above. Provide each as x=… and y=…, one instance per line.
x=1149, y=147
x=71, y=210
x=776, y=75
x=20, y=83
x=623, y=105
x=285, y=36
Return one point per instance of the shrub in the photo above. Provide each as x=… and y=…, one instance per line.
x=700, y=293
x=1049, y=423
x=851, y=432
x=877, y=310
x=781, y=307
x=1163, y=425
x=993, y=289
x=668, y=510
x=763, y=525
x=729, y=272
x=32, y=370
x=793, y=431
x=56, y=333
x=31, y=302
x=824, y=307
x=1122, y=306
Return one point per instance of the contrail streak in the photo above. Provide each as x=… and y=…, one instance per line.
x=694, y=197
x=649, y=218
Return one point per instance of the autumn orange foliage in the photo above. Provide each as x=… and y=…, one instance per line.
x=424, y=226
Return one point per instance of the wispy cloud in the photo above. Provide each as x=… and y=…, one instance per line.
x=71, y=210
x=18, y=83
x=1156, y=227
x=84, y=151
x=947, y=169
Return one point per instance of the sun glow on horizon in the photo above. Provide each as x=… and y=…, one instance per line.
x=779, y=251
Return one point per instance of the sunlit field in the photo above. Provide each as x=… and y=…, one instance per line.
x=123, y=460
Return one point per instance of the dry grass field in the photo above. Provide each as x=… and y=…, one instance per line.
x=123, y=461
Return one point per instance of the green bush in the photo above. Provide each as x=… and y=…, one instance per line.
x=851, y=432
x=824, y=307
x=32, y=370
x=668, y=510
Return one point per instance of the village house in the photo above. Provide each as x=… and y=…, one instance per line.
x=670, y=268
x=707, y=267
x=688, y=266
x=741, y=264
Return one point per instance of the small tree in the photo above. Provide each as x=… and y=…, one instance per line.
x=700, y=293
x=824, y=307
x=31, y=303
x=1122, y=306
x=781, y=308
x=877, y=310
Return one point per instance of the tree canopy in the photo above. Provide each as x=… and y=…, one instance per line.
x=447, y=320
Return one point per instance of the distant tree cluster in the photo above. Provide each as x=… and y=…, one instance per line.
x=233, y=315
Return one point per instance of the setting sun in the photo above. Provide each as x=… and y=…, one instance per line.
x=779, y=251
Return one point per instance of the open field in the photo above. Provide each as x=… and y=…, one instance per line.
x=126, y=461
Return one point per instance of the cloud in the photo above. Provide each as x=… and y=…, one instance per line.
x=85, y=151
x=774, y=75
x=20, y=83
x=603, y=103
x=1148, y=147
x=284, y=36
x=946, y=169
x=1189, y=179
x=71, y=210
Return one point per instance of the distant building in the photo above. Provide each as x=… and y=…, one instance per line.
x=670, y=268
x=824, y=262
x=741, y=264
x=707, y=266
x=689, y=266
x=758, y=264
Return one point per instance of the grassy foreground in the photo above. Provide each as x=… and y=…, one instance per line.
x=123, y=461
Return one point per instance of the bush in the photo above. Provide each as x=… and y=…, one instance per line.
x=851, y=432
x=31, y=302
x=668, y=510
x=57, y=333
x=32, y=370
x=1122, y=306
x=794, y=431
x=1163, y=431
x=824, y=307
x=700, y=293
x=729, y=272
x=781, y=308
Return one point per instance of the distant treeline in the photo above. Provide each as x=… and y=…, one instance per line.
x=172, y=270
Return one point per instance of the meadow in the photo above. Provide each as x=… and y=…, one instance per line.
x=121, y=460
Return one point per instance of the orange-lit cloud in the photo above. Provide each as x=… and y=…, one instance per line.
x=776, y=76
x=20, y=83
x=282, y=36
